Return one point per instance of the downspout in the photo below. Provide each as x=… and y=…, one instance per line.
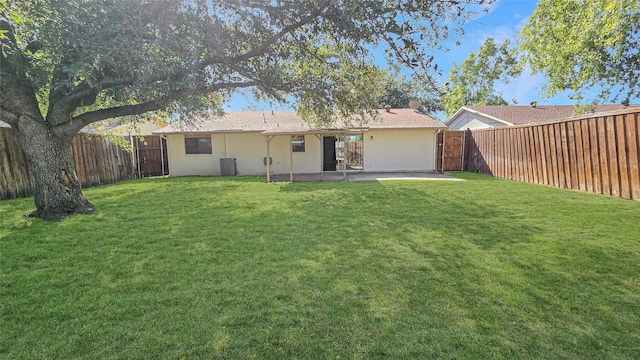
x=225, y=145
x=291, y=158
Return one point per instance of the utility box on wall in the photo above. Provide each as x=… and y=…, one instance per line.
x=228, y=167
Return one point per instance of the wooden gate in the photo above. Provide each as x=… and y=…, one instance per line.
x=150, y=156
x=450, y=155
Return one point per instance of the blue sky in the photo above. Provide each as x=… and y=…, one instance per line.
x=502, y=22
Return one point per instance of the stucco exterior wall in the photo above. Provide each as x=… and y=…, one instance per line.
x=473, y=121
x=249, y=149
x=181, y=164
x=399, y=150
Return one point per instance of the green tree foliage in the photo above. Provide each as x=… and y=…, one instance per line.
x=580, y=45
x=473, y=82
x=400, y=91
x=67, y=64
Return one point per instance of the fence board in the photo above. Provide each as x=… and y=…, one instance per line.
x=537, y=149
x=586, y=155
x=571, y=158
x=553, y=156
x=519, y=148
x=530, y=156
x=540, y=138
x=14, y=166
x=7, y=184
x=597, y=153
x=579, y=151
x=76, y=158
x=506, y=160
x=560, y=155
x=603, y=156
x=633, y=145
x=623, y=169
x=515, y=163
x=502, y=158
x=614, y=175
x=493, y=146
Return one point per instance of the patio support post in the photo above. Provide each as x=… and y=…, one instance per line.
x=319, y=137
x=362, y=153
x=344, y=157
x=268, y=140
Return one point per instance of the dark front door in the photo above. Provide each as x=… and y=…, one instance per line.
x=329, y=156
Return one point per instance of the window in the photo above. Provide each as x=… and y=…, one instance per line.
x=297, y=143
x=197, y=145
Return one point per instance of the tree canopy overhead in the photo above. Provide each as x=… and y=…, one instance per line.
x=65, y=64
x=581, y=45
x=399, y=91
x=473, y=82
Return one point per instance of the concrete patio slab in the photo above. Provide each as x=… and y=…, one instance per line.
x=367, y=176
x=432, y=176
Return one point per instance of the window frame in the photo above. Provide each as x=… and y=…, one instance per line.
x=300, y=146
x=206, y=150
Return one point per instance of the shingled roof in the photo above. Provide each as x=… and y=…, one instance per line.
x=290, y=122
x=520, y=115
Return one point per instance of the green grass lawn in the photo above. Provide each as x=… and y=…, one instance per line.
x=203, y=268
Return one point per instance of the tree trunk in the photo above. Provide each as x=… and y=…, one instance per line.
x=57, y=191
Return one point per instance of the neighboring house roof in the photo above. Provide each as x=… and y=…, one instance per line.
x=117, y=128
x=4, y=124
x=520, y=115
x=282, y=122
x=137, y=128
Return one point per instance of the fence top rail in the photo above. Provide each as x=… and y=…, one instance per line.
x=632, y=110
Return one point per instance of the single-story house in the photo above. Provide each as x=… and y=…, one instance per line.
x=485, y=117
x=398, y=140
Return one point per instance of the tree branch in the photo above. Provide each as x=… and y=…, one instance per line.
x=7, y=116
x=17, y=95
x=267, y=43
x=80, y=121
x=69, y=103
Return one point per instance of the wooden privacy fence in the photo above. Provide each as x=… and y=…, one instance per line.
x=598, y=153
x=97, y=162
